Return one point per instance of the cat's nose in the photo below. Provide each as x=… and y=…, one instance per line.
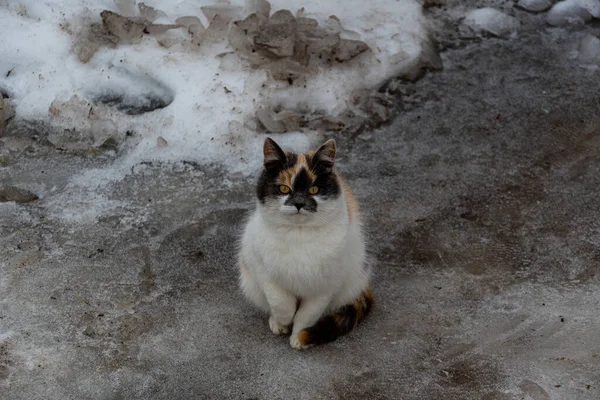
x=299, y=204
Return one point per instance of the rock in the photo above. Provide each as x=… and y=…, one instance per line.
x=534, y=6
x=491, y=21
x=11, y=193
x=573, y=11
x=589, y=50
x=279, y=36
x=128, y=30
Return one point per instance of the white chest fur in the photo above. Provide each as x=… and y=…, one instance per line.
x=304, y=260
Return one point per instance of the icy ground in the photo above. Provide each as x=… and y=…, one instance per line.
x=480, y=198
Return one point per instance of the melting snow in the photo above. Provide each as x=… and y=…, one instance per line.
x=179, y=80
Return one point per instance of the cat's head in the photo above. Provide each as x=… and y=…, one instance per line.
x=299, y=189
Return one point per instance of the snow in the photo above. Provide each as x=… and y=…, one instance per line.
x=573, y=11
x=209, y=100
x=588, y=51
x=491, y=21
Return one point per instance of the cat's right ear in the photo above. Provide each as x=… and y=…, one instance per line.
x=274, y=156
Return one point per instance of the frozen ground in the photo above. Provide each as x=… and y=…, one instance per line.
x=480, y=200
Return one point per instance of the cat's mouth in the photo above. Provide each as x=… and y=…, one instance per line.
x=298, y=213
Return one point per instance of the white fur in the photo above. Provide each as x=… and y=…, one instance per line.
x=316, y=259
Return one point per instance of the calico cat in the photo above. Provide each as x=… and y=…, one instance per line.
x=302, y=256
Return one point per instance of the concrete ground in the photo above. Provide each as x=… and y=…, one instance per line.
x=481, y=203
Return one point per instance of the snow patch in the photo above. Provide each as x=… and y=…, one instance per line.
x=573, y=11
x=180, y=91
x=588, y=51
x=492, y=21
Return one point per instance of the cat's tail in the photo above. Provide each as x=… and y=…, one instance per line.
x=340, y=322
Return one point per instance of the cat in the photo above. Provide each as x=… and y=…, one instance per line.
x=302, y=256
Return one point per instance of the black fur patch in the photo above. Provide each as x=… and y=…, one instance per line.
x=300, y=196
x=266, y=182
x=326, y=182
x=339, y=323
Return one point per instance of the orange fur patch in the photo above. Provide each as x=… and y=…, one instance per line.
x=351, y=202
x=368, y=295
x=286, y=176
x=303, y=336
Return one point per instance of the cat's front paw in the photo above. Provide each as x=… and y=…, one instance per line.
x=276, y=328
x=298, y=341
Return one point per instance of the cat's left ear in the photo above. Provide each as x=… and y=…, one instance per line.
x=274, y=156
x=325, y=156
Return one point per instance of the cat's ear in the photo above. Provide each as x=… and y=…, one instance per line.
x=274, y=156
x=325, y=156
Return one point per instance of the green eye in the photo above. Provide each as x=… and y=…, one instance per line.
x=284, y=189
x=313, y=190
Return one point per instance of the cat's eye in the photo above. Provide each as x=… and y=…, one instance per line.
x=284, y=189
x=313, y=190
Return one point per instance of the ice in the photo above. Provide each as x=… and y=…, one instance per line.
x=589, y=51
x=188, y=20
x=534, y=390
x=573, y=11
x=279, y=35
x=348, y=49
x=128, y=30
x=149, y=13
x=91, y=38
x=226, y=11
x=534, y=6
x=127, y=8
x=491, y=21
x=217, y=29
